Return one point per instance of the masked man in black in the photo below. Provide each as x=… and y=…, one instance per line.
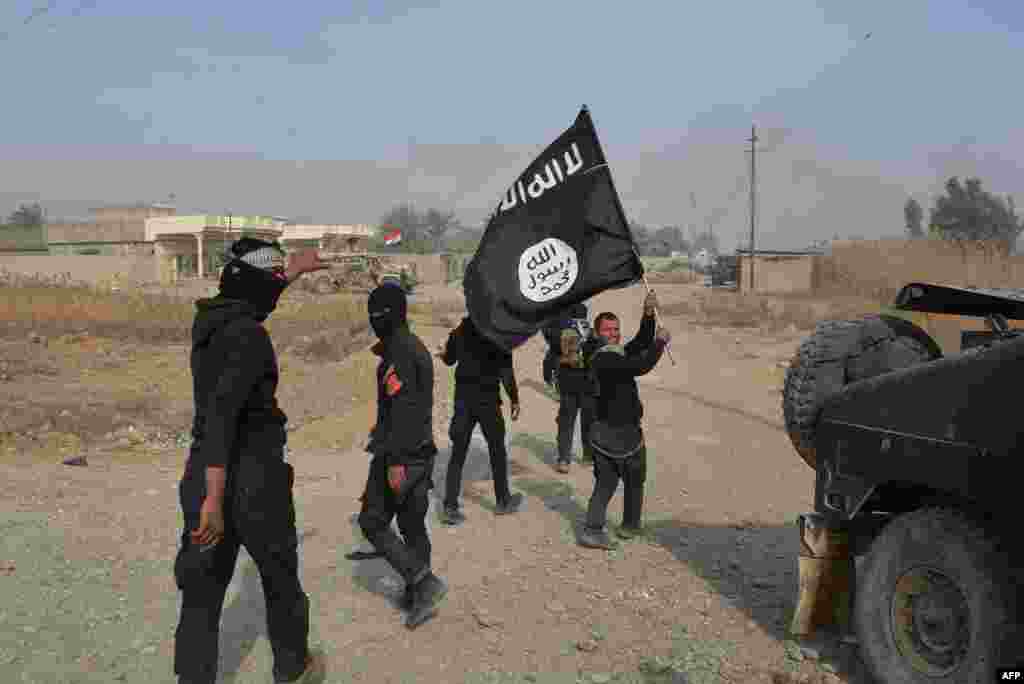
x=403, y=448
x=480, y=365
x=237, y=487
x=616, y=436
x=576, y=385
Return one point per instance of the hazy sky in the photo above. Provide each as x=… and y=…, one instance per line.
x=305, y=109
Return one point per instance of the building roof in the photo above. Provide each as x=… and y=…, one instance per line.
x=781, y=252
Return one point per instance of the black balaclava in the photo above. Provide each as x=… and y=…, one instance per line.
x=387, y=308
x=255, y=273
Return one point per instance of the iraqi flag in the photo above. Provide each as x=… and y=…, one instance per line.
x=393, y=237
x=558, y=238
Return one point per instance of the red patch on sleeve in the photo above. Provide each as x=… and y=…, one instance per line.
x=392, y=383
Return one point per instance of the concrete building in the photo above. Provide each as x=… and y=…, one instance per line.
x=777, y=271
x=114, y=231
x=152, y=243
x=193, y=246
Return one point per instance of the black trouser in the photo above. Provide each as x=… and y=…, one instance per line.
x=468, y=414
x=607, y=473
x=571, y=403
x=259, y=514
x=409, y=554
x=549, y=366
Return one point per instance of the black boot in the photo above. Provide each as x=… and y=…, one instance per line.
x=428, y=594
x=509, y=505
x=408, y=599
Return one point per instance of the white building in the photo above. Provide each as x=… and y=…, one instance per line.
x=189, y=246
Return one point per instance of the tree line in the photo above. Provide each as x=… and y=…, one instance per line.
x=965, y=212
x=434, y=230
x=27, y=216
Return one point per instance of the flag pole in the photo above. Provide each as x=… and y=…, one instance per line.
x=625, y=222
x=649, y=290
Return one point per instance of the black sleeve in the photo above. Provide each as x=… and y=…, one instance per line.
x=246, y=348
x=508, y=379
x=374, y=431
x=451, y=347
x=644, y=337
x=634, y=364
x=405, y=408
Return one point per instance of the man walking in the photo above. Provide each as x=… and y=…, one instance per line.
x=237, y=487
x=482, y=365
x=576, y=386
x=403, y=448
x=616, y=436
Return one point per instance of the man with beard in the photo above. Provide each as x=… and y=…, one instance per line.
x=616, y=436
x=237, y=487
x=403, y=449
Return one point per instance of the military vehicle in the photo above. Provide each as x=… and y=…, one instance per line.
x=358, y=272
x=725, y=271
x=913, y=451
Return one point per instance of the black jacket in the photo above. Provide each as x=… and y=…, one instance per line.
x=234, y=383
x=618, y=400
x=404, y=433
x=482, y=365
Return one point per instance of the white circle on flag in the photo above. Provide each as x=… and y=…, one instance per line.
x=547, y=270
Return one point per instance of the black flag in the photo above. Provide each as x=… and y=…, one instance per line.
x=558, y=238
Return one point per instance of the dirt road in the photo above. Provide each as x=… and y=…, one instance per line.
x=85, y=556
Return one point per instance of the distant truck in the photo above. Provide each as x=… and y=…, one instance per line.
x=725, y=271
x=358, y=272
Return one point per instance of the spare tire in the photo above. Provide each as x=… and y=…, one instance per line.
x=838, y=353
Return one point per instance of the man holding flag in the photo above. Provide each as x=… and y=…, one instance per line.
x=558, y=238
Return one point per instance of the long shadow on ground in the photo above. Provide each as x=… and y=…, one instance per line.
x=477, y=469
x=753, y=567
x=376, y=575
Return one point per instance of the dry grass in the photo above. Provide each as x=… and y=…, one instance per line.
x=322, y=328
x=681, y=277
x=771, y=312
x=325, y=328
x=52, y=309
x=440, y=311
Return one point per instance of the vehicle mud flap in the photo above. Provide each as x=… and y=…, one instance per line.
x=827, y=578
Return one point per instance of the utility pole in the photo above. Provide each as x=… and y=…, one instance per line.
x=753, y=197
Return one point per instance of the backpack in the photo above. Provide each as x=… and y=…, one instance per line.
x=573, y=338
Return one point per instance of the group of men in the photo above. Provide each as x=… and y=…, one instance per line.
x=237, y=488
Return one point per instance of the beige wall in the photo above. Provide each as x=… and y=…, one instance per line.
x=106, y=214
x=867, y=266
x=774, y=274
x=431, y=269
x=95, y=270
x=104, y=231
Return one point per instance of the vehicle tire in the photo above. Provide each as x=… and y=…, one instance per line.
x=838, y=353
x=932, y=601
